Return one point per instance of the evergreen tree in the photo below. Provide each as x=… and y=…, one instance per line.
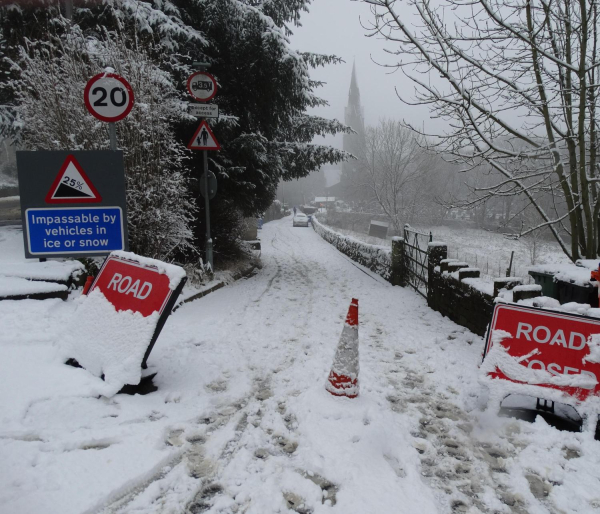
x=264, y=88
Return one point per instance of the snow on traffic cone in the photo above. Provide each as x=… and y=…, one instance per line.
x=343, y=378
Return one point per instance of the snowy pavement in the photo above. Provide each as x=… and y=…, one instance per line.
x=241, y=422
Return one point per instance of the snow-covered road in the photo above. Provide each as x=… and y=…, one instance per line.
x=241, y=422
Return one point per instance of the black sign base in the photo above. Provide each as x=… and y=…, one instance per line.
x=146, y=386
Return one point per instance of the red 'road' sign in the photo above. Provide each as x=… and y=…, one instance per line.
x=559, y=338
x=130, y=285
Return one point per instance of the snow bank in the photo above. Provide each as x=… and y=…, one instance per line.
x=566, y=273
x=528, y=287
x=14, y=286
x=591, y=264
x=479, y=285
x=374, y=257
x=50, y=270
x=107, y=342
x=548, y=303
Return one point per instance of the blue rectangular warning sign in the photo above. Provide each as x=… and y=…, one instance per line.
x=83, y=230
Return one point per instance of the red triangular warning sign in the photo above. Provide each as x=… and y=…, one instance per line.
x=204, y=139
x=72, y=185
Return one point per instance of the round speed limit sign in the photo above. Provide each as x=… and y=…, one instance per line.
x=108, y=97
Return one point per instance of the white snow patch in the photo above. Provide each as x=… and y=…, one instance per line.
x=13, y=286
x=480, y=285
x=530, y=287
x=108, y=342
x=50, y=270
x=593, y=343
x=174, y=272
x=566, y=273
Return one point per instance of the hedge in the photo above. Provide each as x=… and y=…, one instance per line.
x=376, y=258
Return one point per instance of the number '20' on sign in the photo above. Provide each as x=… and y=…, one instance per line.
x=108, y=97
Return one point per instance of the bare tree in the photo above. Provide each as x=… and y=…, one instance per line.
x=517, y=80
x=395, y=167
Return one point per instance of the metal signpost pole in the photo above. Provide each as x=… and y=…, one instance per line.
x=112, y=132
x=202, y=86
x=69, y=9
x=202, y=66
x=209, y=244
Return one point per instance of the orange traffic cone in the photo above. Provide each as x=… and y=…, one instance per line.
x=343, y=379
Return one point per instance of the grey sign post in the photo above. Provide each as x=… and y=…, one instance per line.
x=203, y=87
x=72, y=203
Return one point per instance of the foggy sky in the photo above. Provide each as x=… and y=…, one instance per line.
x=334, y=27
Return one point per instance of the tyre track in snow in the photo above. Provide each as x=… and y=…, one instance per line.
x=189, y=459
x=256, y=407
x=469, y=471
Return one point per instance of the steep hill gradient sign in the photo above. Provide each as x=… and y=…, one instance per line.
x=72, y=203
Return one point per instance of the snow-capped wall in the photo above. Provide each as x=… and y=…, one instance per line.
x=377, y=258
x=460, y=301
x=454, y=289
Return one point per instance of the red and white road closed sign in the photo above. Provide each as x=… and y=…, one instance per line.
x=133, y=285
x=545, y=340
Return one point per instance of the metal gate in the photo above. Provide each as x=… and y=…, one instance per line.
x=416, y=259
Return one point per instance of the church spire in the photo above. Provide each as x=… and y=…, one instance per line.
x=354, y=93
x=353, y=143
x=354, y=112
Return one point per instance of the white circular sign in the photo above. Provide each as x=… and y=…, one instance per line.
x=202, y=86
x=108, y=97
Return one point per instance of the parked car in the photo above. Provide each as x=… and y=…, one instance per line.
x=300, y=220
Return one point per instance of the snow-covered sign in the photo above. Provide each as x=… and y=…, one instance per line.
x=202, y=86
x=108, y=97
x=544, y=348
x=204, y=139
x=135, y=283
x=118, y=323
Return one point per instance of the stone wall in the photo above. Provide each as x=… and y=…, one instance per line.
x=454, y=289
x=354, y=221
x=460, y=302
